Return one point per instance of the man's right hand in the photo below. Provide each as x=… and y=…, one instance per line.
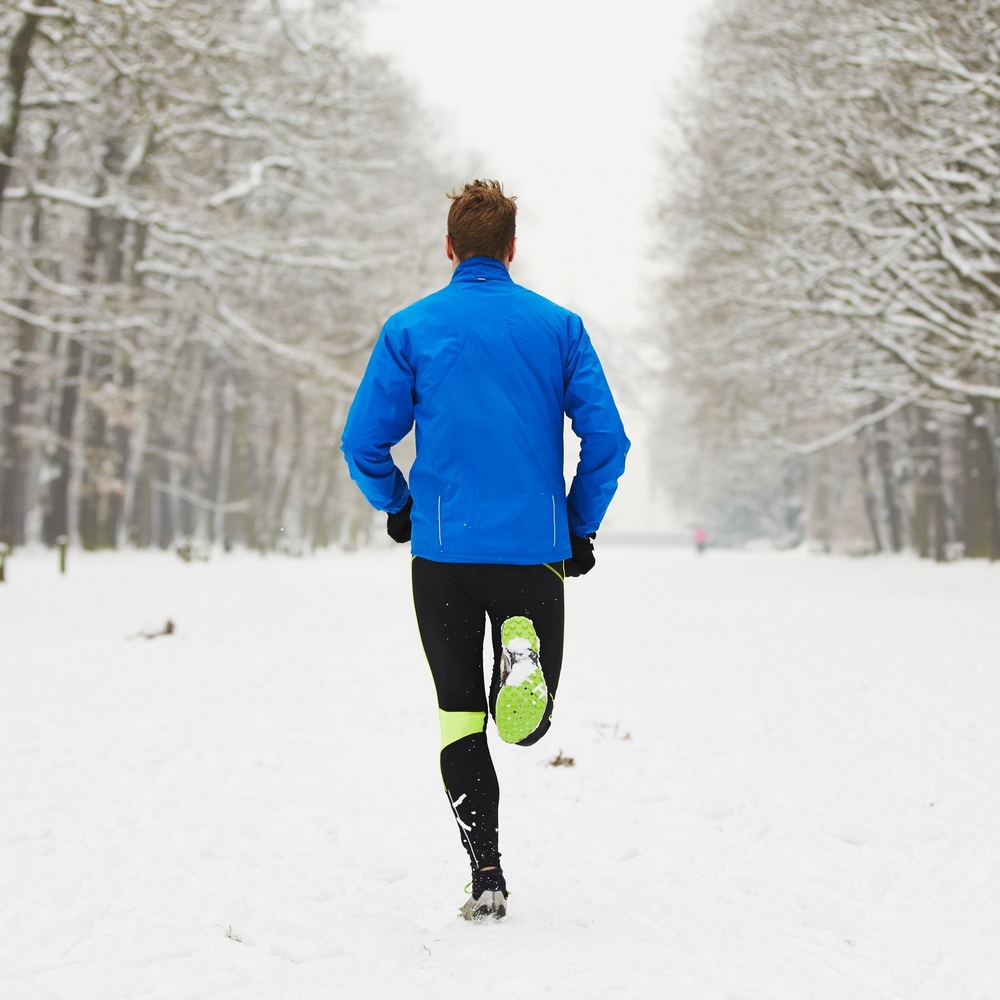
x=583, y=559
x=398, y=526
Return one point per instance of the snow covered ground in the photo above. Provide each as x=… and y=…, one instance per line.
x=786, y=785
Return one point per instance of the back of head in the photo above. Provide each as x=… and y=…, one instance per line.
x=481, y=221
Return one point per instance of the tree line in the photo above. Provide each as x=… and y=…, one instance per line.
x=206, y=209
x=832, y=299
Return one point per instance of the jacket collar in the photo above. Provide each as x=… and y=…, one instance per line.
x=481, y=269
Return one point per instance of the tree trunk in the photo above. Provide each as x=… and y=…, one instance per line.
x=10, y=97
x=285, y=483
x=88, y=444
x=13, y=460
x=116, y=440
x=57, y=521
x=105, y=442
x=871, y=497
x=925, y=460
x=15, y=455
x=132, y=449
x=890, y=488
x=980, y=520
x=183, y=514
x=222, y=461
x=241, y=526
x=823, y=500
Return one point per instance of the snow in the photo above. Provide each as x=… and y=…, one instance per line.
x=785, y=785
x=522, y=665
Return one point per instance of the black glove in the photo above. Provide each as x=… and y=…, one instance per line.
x=582, y=560
x=398, y=525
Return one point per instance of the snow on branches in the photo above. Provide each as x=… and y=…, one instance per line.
x=836, y=262
x=206, y=210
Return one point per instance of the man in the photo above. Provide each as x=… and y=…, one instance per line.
x=486, y=370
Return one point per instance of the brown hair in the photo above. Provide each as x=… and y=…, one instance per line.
x=481, y=221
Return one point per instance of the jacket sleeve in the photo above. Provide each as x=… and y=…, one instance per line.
x=380, y=416
x=596, y=422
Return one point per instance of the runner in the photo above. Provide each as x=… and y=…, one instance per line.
x=486, y=370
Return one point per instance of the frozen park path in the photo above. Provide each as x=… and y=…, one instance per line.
x=786, y=785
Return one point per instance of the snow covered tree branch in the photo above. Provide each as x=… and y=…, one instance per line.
x=207, y=210
x=836, y=268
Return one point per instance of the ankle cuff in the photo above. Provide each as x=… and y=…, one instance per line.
x=492, y=881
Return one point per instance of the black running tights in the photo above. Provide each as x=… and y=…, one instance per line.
x=452, y=602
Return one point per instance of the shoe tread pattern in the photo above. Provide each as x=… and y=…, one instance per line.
x=520, y=710
x=519, y=627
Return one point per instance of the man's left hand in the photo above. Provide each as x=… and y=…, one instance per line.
x=398, y=526
x=583, y=559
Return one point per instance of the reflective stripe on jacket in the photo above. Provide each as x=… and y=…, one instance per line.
x=486, y=369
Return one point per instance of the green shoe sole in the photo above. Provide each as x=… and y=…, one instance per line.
x=520, y=705
x=518, y=628
x=521, y=709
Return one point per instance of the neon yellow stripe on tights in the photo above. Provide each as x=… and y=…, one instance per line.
x=562, y=575
x=456, y=726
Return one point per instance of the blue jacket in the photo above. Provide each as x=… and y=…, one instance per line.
x=486, y=369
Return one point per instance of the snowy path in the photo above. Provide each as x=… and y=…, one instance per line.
x=808, y=803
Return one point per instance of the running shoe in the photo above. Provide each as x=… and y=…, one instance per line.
x=490, y=905
x=489, y=896
x=523, y=693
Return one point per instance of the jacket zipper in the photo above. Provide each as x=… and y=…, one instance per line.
x=553, y=521
x=440, y=540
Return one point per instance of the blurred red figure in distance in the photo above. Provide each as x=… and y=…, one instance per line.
x=700, y=539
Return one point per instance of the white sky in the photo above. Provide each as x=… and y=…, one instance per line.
x=562, y=100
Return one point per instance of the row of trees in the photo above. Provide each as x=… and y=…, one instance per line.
x=833, y=290
x=206, y=208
